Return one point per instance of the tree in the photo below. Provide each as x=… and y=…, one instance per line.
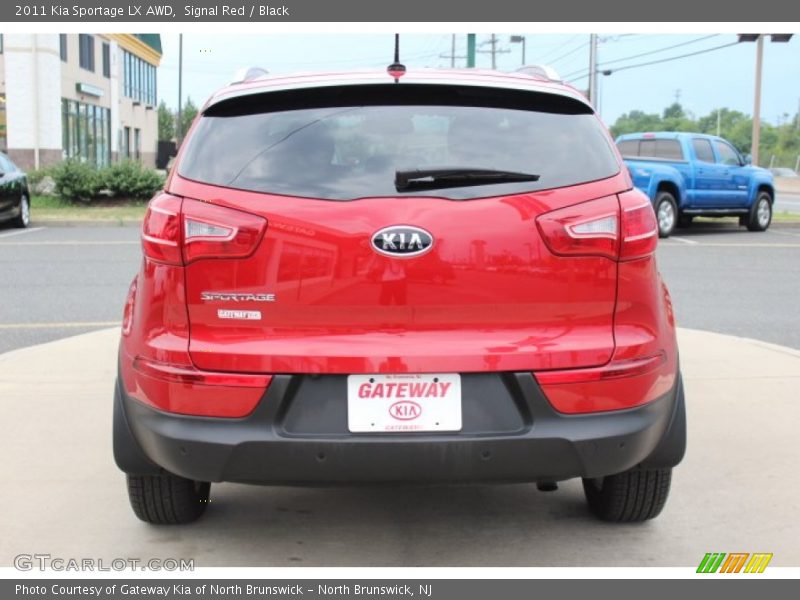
x=166, y=123
x=188, y=114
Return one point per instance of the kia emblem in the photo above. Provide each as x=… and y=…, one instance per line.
x=402, y=241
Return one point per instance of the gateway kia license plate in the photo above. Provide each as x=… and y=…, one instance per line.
x=403, y=403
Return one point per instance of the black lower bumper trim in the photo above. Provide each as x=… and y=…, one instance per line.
x=274, y=445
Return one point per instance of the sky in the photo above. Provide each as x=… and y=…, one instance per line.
x=702, y=83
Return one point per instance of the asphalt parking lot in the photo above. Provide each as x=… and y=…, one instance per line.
x=62, y=281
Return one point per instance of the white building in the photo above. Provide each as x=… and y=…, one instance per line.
x=87, y=96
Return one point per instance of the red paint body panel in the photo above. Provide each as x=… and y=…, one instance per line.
x=489, y=296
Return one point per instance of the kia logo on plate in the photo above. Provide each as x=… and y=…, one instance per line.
x=405, y=410
x=402, y=241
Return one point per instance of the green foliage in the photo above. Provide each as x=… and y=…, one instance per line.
x=188, y=114
x=782, y=142
x=166, y=123
x=76, y=181
x=129, y=179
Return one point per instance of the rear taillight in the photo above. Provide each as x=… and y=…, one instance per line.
x=638, y=225
x=178, y=231
x=588, y=229
x=161, y=230
x=211, y=231
x=618, y=227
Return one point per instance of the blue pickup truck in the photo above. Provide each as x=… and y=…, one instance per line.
x=688, y=175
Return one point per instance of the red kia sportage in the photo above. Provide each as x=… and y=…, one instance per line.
x=357, y=277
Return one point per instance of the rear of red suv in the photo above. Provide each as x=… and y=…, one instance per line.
x=353, y=279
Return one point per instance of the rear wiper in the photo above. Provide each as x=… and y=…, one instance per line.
x=444, y=177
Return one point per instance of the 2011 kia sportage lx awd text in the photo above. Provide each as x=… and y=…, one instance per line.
x=359, y=278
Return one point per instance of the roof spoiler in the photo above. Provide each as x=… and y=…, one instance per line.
x=248, y=74
x=545, y=71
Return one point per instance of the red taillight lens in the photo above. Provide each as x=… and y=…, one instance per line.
x=622, y=227
x=589, y=228
x=639, y=228
x=211, y=231
x=161, y=230
x=178, y=231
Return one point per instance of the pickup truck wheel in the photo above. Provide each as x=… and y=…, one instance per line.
x=167, y=499
x=666, y=213
x=760, y=213
x=629, y=497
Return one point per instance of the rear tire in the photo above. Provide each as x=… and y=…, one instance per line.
x=167, y=499
x=24, y=218
x=630, y=497
x=666, y=213
x=760, y=213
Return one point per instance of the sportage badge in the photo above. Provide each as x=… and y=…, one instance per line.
x=402, y=241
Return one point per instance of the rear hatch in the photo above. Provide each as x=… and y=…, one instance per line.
x=400, y=232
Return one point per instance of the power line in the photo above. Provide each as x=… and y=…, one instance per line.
x=663, y=60
x=659, y=50
x=557, y=48
x=570, y=53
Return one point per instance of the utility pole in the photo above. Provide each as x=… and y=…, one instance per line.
x=178, y=128
x=758, y=38
x=593, y=68
x=470, y=50
x=493, y=49
x=452, y=56
x=719, y=121
x=757, y=101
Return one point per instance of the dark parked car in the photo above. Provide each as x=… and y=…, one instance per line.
x=15, y=203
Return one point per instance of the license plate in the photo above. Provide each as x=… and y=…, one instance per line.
x=403, y=403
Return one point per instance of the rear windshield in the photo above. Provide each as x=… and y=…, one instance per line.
x=348, y=146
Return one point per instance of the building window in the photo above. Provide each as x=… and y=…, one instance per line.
x=137, y=144
x=106, y=60
x=126, y=142
x=1, y=43
x=62, y=41
x=86, y=132
x=86, y=51
x=139, y=79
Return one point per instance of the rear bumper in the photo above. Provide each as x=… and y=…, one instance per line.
x=298, y=435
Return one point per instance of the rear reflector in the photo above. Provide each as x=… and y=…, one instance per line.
x=613, y=370
x=185, y=390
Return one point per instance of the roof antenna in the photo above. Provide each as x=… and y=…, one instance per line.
x=396, y=69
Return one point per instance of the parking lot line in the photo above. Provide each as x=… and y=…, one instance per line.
x=73, y=243
x=738, y=245
x=8, y=234
x=70, y=325
x=684, y=240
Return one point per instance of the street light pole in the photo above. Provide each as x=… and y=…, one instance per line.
x=519, y=39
